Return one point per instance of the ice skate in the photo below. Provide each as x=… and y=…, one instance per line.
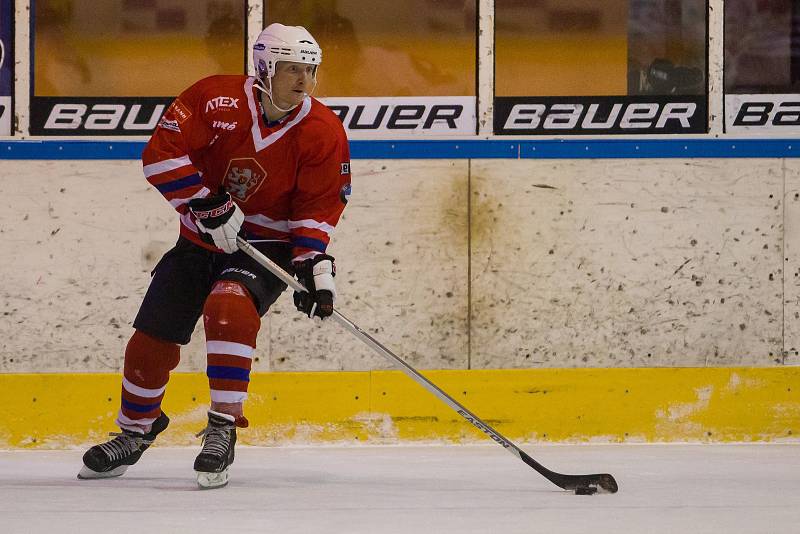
x=214, y=460
x=112, y=458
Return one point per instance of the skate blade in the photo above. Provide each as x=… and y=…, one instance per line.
x=212, y=480
x=88, y=474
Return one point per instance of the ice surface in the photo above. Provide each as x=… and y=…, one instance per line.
x=748, y=488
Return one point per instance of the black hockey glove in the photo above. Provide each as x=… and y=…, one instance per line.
x=316, y=274
x=219, y=220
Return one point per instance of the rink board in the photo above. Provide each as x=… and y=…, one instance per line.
x=553, y=405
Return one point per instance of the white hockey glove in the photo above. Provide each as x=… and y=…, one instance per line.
x=219, y=220
x=316, y=274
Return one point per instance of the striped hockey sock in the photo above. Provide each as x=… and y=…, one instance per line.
x=148, y=361
x=231, y=325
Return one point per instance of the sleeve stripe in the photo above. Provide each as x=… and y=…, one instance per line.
x=176, y=202
x=311, y=223
x=168, y=176
x=187, y=181
x=266, y=222
x=166, y=165
x=305, y=256
x=308, y=242
x=186, y=220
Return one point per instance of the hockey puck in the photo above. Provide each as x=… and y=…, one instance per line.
x=585, y=490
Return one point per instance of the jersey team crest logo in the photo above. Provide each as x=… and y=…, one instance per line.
x=243, y=178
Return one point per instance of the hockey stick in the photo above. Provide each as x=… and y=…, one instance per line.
x=581, y=484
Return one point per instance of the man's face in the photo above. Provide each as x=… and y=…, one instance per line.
x=291, y=83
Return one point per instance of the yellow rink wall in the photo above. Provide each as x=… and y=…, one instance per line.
x=573, y=405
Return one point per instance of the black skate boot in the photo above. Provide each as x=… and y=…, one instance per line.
x=219, y=440
x=112, y=458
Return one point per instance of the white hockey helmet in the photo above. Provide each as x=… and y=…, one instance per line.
x=284, y=43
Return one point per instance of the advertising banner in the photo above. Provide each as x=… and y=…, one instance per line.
x=600, y=115
x=768, y=114
x=362, y=117
x=96, y=116
x=6, y=64
x=390, y=116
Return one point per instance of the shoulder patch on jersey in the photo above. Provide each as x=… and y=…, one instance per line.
x=345, y=168
x=180, y=111
x=344, y=193
x=169, y=125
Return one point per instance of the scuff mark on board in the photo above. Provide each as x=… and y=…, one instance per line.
x=681, y=411
x=682, y=265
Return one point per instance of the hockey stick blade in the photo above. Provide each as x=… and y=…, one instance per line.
x=602, y=483
x=585, y=484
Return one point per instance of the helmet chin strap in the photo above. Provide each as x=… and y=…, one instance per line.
x=268, y=91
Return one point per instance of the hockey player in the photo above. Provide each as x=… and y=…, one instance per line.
x=234, y=155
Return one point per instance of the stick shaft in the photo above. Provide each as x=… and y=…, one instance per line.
x=378, y=347
x=564, y=481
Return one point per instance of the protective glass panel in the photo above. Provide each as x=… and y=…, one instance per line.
x=387, y=47
x=589, y=48
x=762, y=46
x=6, y=64
x=134, y=47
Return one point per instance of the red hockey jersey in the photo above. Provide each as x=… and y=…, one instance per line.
x=291, y=179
